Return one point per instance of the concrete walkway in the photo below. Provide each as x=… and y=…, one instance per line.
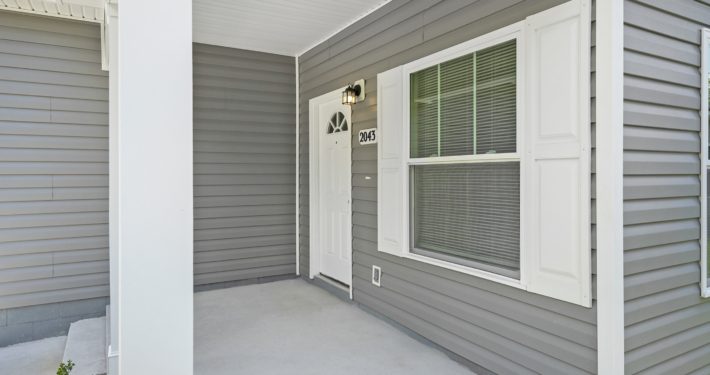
x=41, y=357
x=292, y=327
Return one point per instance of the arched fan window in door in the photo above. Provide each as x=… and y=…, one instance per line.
x=338, y=123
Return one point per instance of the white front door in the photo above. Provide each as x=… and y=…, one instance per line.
x=334, y=190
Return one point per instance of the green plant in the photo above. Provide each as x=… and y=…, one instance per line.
x=65, y=368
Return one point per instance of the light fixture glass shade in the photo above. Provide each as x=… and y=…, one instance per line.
x=349, y=96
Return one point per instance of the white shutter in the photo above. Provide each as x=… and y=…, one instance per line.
x=391, y=170
x=557, y=154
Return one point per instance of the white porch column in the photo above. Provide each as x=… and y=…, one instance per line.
x=153, y=161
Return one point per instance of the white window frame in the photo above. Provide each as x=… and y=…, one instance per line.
x=704, y=133
x=511, y=32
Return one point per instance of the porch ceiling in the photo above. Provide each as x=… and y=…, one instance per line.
x=283, y=27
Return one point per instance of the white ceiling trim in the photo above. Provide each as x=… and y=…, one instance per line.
x=284, y=27
x=80, y=10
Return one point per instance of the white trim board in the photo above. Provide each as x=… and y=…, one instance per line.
x=298, y=171
x=610, y=185
x=313, y=186
x=704, y=115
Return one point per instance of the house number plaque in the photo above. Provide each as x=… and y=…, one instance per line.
x=368, y=136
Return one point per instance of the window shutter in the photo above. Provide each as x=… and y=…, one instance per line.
x=557, y=157
x=391, y=194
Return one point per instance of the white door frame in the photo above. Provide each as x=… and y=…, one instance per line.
x=314, y=182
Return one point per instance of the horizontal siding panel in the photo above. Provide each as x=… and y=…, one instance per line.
x=491, y=316
x=239, y=264
x=660, y=163
x=662, y=256
x=644, y=114
x=471, y=350
x=640, y=138
x=490, y=340
x=668, y=348
x=641, y=65
x=53, y=162
x=25, y=260
x=643, y=284
x=244, y=274
x=76, y=256
x=236, y=201
x=81, y=268
x=44, y=220
x=653, y=234
x=215, y=223
x=647, y=187
x=50, y=64
x=258, y=179
x=25, y=273
x=661, y=93
x=667, y=322
x=52, y=284
x=656, y=210
x=654, y=44
x=45, y=246
x=652, y=330
x=51, y=207
x=66, y=231
x=50, y=51
x=260, y=210
x=695, y=362
x=244, y=164
x=70, y=294
x=54, y=142
x=39, y=129
x=251, y=252
x=245, y=243
x=52, y=78
x=667, y=24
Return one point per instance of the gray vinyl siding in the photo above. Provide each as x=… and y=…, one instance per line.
x=53, y=162
x=502, y=329
x=244, y=164
x=667, y=322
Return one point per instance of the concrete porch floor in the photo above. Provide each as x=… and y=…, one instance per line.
x=283, y=327
x=293, y=327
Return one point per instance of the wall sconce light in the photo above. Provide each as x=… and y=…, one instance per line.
x=354, y=93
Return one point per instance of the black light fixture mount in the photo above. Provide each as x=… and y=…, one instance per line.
x=354, y=92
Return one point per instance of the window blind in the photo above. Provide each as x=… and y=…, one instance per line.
x=465, y=106
x=468, y=211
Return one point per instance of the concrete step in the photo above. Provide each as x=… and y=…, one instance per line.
x=86, y=346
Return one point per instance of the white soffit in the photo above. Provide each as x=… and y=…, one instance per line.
x=286, y=27
x=83, y=10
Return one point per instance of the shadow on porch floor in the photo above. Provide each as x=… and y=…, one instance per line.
x=293, y=327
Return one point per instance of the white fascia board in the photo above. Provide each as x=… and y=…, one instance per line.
x=86, y=3
x=610, y=185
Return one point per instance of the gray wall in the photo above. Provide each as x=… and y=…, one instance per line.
x=53, y=175
x=667, y=323
x=500, y=328
x=245, y=164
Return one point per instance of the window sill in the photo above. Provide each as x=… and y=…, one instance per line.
x=467, y=270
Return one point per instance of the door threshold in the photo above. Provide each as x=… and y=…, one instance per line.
x=333, y=282
x=333, y=287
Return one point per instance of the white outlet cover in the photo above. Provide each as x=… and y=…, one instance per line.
x=376, y=275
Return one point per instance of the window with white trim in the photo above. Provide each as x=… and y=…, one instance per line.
x=463, y=162
x=705, y=156
x=484, y=156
